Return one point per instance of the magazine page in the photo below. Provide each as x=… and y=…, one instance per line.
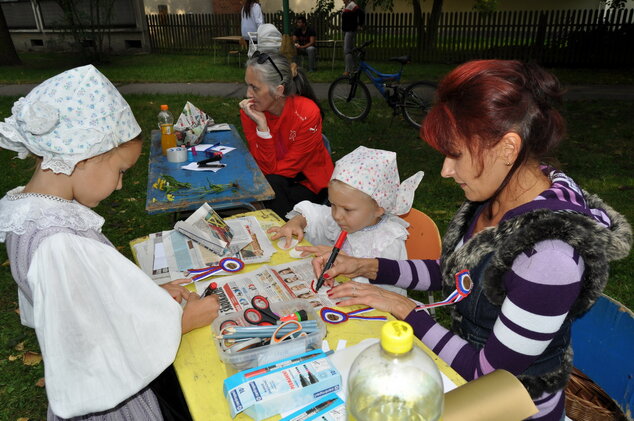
x=259, y=249
x=208, y=228
x=288, y=281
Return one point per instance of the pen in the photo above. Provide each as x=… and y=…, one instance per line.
x=280, y=365
x=212, y=165
x=331, y=259
x=209, y=290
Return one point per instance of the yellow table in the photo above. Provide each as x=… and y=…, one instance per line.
x=201, y=373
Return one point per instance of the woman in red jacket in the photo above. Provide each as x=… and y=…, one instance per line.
x=282, y=120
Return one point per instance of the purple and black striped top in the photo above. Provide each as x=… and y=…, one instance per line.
x=542, y=285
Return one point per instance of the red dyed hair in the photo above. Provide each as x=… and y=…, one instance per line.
x=480, y=101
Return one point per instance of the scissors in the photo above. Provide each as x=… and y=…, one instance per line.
x=228, y=264
x=260, y=313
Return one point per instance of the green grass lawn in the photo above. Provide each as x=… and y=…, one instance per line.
x=200, y=68
x=598, y=154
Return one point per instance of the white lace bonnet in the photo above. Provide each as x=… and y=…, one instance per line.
x=70, y=117
x=374, y=172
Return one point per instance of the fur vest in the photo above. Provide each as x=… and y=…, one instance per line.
x=492, y=251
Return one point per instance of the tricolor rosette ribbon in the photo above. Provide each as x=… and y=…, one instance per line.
x=333, y=316
x=228, y=264
x=463, y=288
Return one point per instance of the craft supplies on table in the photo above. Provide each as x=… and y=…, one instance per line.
x=249, y=352
x=281, y=384
x=329, y=408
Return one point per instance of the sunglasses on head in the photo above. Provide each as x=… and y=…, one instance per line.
x=263, y=57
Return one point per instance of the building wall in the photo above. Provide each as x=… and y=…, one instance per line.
x=181, y=6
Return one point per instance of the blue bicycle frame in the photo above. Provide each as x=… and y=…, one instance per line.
x=377, y=78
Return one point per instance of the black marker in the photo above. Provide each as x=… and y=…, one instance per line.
x=209, y=290
x=331, y=259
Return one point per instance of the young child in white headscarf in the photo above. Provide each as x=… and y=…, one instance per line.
x=95, y=313
x=365, y=197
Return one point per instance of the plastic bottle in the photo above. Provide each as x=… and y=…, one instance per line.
x=394, y=380
x=166, y=124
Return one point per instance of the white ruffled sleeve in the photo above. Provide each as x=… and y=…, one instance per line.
x=320, y=229
x=105, y=329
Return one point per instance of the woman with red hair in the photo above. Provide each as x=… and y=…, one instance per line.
x=528, y=251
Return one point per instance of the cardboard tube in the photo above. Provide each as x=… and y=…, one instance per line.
x=498, y=396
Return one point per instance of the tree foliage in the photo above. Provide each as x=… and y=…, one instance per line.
x=89, y=22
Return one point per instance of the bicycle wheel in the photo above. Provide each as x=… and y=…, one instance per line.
x=349, y=100
x=417, y=100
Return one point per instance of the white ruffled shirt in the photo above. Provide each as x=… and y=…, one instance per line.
x=385, y=239
x=105, y=329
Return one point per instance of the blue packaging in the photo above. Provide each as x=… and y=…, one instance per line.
x=328, y=408
x=272, y=388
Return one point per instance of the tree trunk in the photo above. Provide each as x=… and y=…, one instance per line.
x=432, y=25
x=8, y=55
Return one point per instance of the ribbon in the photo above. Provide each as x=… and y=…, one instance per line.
x=333, y=316
x=228, y=264
x=463, y=288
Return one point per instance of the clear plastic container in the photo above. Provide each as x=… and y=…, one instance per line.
x=166, y=124
x=254, y=357
x=394, y=380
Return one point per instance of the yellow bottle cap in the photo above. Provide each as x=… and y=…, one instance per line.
x=397, y=337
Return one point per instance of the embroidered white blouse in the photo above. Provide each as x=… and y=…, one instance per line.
x=106, y=330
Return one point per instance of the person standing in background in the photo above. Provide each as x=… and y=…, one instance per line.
x=252, y=18
x=352, y=19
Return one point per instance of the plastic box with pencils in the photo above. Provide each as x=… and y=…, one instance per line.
x=244, y=355
x=275, y=387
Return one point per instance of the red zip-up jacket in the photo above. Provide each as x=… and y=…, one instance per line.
x=296, y=145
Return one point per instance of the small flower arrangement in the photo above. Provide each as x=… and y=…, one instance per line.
x=172, y=188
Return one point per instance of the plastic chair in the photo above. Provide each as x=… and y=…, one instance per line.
x=602, y=340
x=424, y=240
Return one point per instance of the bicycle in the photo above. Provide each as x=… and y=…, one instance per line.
x=350, y=98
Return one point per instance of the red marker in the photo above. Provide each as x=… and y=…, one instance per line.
x=209, y=290
x=331, y=259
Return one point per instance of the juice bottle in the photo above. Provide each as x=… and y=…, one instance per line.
x=166, y=124
x=394, y=380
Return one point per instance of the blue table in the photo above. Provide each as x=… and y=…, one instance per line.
x=241, y=169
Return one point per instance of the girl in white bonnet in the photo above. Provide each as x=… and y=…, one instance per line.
x=365, y=197
x=95, y=313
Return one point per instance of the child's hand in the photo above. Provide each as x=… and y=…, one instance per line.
x=294, y=227
x=317, y=250
x=176, y=290
x=199, y=312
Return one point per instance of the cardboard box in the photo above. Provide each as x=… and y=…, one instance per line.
x=269, y=389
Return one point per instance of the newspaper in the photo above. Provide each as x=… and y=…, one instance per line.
x=167, y=255
x=284, y=282
x=206, y=227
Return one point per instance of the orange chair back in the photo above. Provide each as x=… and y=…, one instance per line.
x=424, y=238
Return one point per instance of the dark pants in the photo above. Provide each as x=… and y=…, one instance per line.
x=170, y=396
x=289, y=192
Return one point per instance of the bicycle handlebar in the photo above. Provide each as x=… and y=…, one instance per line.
x=362, y=46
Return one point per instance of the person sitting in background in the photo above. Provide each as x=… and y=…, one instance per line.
x=304, y=39
x=282, y=121
x=365, y=197
x=535, y=246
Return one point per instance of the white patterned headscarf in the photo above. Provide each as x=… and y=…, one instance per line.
x=374, y=172
x=68, y=118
